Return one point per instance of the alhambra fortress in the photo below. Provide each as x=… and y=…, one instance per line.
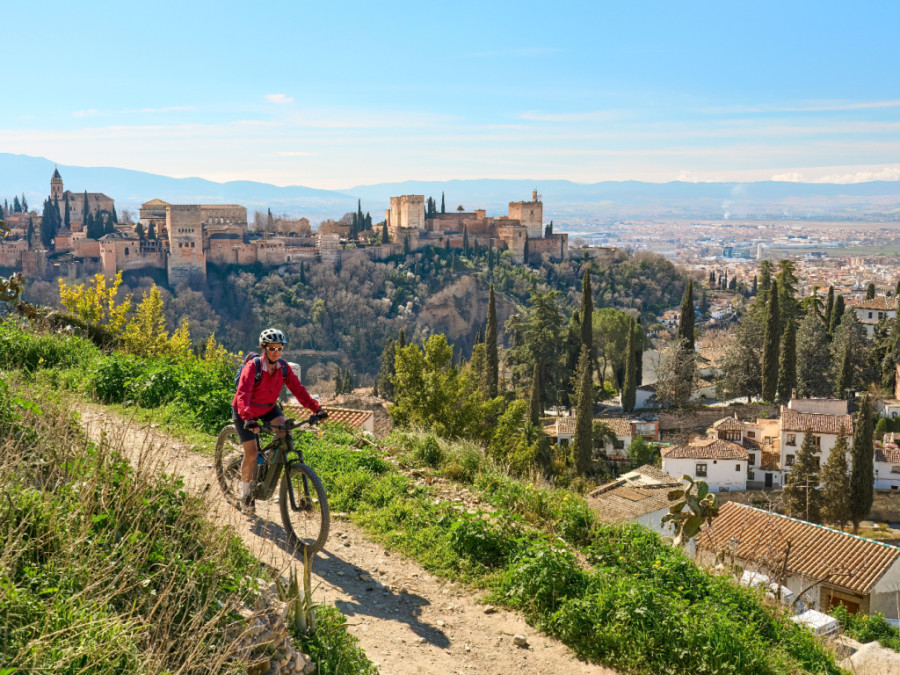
x=187, y=237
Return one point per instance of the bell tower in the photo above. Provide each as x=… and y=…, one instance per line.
x=56, y=186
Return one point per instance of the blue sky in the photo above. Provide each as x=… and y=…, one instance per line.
x=333, y=95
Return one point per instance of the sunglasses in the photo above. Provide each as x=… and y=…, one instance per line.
x=275, y=349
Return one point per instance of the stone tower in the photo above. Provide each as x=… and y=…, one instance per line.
x=184, y=226
x=56, y=186
x=530, y=214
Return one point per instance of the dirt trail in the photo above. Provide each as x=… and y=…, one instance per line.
x=407, y=620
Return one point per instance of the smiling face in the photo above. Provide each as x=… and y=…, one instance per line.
x=273, y=351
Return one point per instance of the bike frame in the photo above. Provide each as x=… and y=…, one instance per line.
x=269, y=473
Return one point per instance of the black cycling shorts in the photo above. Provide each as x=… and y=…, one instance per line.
x=247, y=435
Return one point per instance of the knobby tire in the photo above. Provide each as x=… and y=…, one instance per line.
x=314, y=524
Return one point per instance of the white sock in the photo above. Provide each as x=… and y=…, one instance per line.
x=246, y=490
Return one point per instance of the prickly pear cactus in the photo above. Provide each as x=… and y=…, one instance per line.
x=689, y=510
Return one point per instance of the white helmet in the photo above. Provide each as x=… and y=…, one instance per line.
x=271, y=335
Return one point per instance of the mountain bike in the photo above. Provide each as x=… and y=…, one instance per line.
x=302, y=499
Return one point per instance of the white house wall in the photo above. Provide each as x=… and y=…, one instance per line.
x=730, y=474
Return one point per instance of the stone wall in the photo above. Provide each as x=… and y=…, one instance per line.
x=407, y=211
x=11, y=252
x=514, y=236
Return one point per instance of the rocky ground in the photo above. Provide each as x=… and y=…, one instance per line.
x=407, y=620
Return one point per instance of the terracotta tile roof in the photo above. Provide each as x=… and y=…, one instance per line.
x=355, y=419
x=791, y=420
x=729, y=424
x=707, y=448
x=619, y=425
x=565, y=425
x=887, y=455
x=880, y=303
x=631, y=496
x=815, y=550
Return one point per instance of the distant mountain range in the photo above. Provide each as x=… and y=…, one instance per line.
x=566, y=202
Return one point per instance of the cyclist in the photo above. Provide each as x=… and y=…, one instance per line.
x=257, y=398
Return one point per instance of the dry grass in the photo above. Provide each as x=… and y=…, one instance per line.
x=105, y=568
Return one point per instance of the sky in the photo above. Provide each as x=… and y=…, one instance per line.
x=333, y=95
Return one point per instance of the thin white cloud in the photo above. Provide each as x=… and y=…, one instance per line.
x=279, y=98
x=593, y=116
x=294, y=153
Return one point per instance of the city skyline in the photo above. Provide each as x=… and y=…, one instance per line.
x=334, y=97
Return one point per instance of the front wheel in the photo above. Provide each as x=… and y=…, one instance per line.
x=307, y=524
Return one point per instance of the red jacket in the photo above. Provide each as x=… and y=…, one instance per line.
x=254, y=400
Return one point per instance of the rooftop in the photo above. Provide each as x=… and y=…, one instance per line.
x=816, y=551
x=632, y=495
x=791, y=420
x=880, y=303
x=706, y=448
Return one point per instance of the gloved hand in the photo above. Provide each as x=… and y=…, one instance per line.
x=252, y=425
x=322, y=414
x=317, y=417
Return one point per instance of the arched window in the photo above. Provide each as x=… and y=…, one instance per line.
x=126, y=250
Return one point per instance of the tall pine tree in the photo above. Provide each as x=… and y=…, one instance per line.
x=829, y=307
x=535, y=403
x=863, y=465
x=770, y=346
x=837, y=314
x=67, y=220
x=443, y=204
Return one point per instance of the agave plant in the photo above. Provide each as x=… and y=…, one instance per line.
x=689, y=511
x=301, y=616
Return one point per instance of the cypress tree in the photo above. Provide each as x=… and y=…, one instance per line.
x=490, y=255
x=67, y=221
x=401, y=339
x=492, y=357
x=584, y=418
x=115, y=217
x=787, y=368
x=629, y=387
x=862, y=460
x=845, y=376
x=29, y=235
x=17, y=208
x=836, y=484
x=24, y=204
x=587, y=312
x=443, y=204
x=535, y=406
x=870, y=291
x=829, y=306
x=526, y=254
x=466, y=240
x=770, y=346
x=385, y=236
x=836, y=315
x=801, y=487
x=712, y=278
x=151, y=232
x=85, y=210
x=638, y=353
x=686, y=322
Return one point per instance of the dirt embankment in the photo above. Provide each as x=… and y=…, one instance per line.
x=407, y=620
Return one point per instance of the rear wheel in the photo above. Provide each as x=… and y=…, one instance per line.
x=307, y=525
x=227, y=463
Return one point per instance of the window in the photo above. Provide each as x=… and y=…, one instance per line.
x=751, y=434
x=818, y=463
x=618, y=444
x=817, y=442
x=789, y=460
x=895, y=469
x=737, y=467
x=870, y=315
x=751, y=475
x=700, y=470
x=751, y=459
x=791, y=439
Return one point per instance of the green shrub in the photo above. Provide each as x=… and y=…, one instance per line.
x=429, y=452
x=483, y=542
x=539, y=579
x=868, y=627
x=332, y=648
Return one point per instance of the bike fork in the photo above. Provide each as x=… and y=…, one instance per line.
x=290, y=488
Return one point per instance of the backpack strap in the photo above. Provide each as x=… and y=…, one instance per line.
x=257, y=363
x=284, y=368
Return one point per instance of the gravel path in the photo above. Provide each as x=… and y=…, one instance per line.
x=407, y=620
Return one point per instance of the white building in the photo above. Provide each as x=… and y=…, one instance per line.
x=721, y=464
x=861, y=574
x=639, y=496
x=825, y=430
x=870, y=312
x=887, y=469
